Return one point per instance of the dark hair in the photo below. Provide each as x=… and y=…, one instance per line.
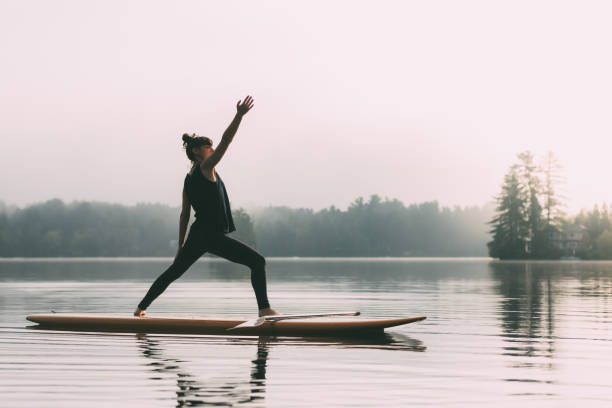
x=193, y=140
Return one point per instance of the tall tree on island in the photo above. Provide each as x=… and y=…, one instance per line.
x=528, y=211
x=552, y=200
x=510, y=228
x=537, y=237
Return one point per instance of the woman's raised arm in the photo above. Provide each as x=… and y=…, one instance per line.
x=242, y=107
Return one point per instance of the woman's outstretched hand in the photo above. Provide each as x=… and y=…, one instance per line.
x=243, y=107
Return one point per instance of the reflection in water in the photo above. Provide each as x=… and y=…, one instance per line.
x=194, y=392
x=258, y=370
x=382, y=341
x=527, y=314
x=529, y=334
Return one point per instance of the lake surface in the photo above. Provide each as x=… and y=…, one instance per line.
x=511, y=334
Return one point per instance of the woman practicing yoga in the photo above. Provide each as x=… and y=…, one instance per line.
x=204, y=190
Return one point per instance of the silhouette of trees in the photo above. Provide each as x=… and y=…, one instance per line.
x=596, y=228
x=553, y=201
x=522, y=226
x=96, y=229
x=375, y=227
x=529, y=221
x=511, y=224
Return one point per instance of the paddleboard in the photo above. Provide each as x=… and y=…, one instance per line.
x=163, y=323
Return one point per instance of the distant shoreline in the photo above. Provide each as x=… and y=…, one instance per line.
x=215, y=259
x=368, y=228
x=303, y=259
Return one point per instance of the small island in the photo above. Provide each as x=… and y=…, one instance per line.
x=530, y=223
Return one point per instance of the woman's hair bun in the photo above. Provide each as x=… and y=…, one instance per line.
x=193, y=140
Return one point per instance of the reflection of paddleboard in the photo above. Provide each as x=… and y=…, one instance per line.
x=122, y=322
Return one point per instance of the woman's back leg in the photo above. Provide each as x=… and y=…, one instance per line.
x=190, y=252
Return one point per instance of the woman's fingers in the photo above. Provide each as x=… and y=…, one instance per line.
x=246, y=103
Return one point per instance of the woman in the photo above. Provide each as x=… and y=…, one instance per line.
x=204, y=190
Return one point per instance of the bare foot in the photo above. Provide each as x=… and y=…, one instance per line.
x=267, y=312
x=139, y=313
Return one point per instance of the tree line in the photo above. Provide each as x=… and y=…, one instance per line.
x=596, y=228
x=529, y=221
x=373, y=227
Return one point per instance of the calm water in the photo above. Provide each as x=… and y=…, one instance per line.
x=534, y=334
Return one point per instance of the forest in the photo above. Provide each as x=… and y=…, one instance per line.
x=527, y=222
x=374, y=227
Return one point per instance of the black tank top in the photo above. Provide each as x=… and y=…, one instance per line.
x=210, y=201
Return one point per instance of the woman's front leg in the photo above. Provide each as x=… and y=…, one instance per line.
x=236, y=251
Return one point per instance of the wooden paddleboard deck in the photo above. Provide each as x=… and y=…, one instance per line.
x=320, y=326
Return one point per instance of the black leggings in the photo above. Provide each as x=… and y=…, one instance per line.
x=198, y=242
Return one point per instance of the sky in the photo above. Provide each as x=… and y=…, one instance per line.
x=414, y=100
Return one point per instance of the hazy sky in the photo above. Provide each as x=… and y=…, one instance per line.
x=415, y=100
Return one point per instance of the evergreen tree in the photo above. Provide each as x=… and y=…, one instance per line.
x=510, y=225
x=533, y=187
x=552, y=199
x=596, y=232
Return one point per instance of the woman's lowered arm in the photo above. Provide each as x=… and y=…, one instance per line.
x=183, y=221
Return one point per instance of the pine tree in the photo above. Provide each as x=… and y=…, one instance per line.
x=552, y=199
x=533, y=187
x=510, y=226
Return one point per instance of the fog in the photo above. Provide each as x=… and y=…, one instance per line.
x=411, y=100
